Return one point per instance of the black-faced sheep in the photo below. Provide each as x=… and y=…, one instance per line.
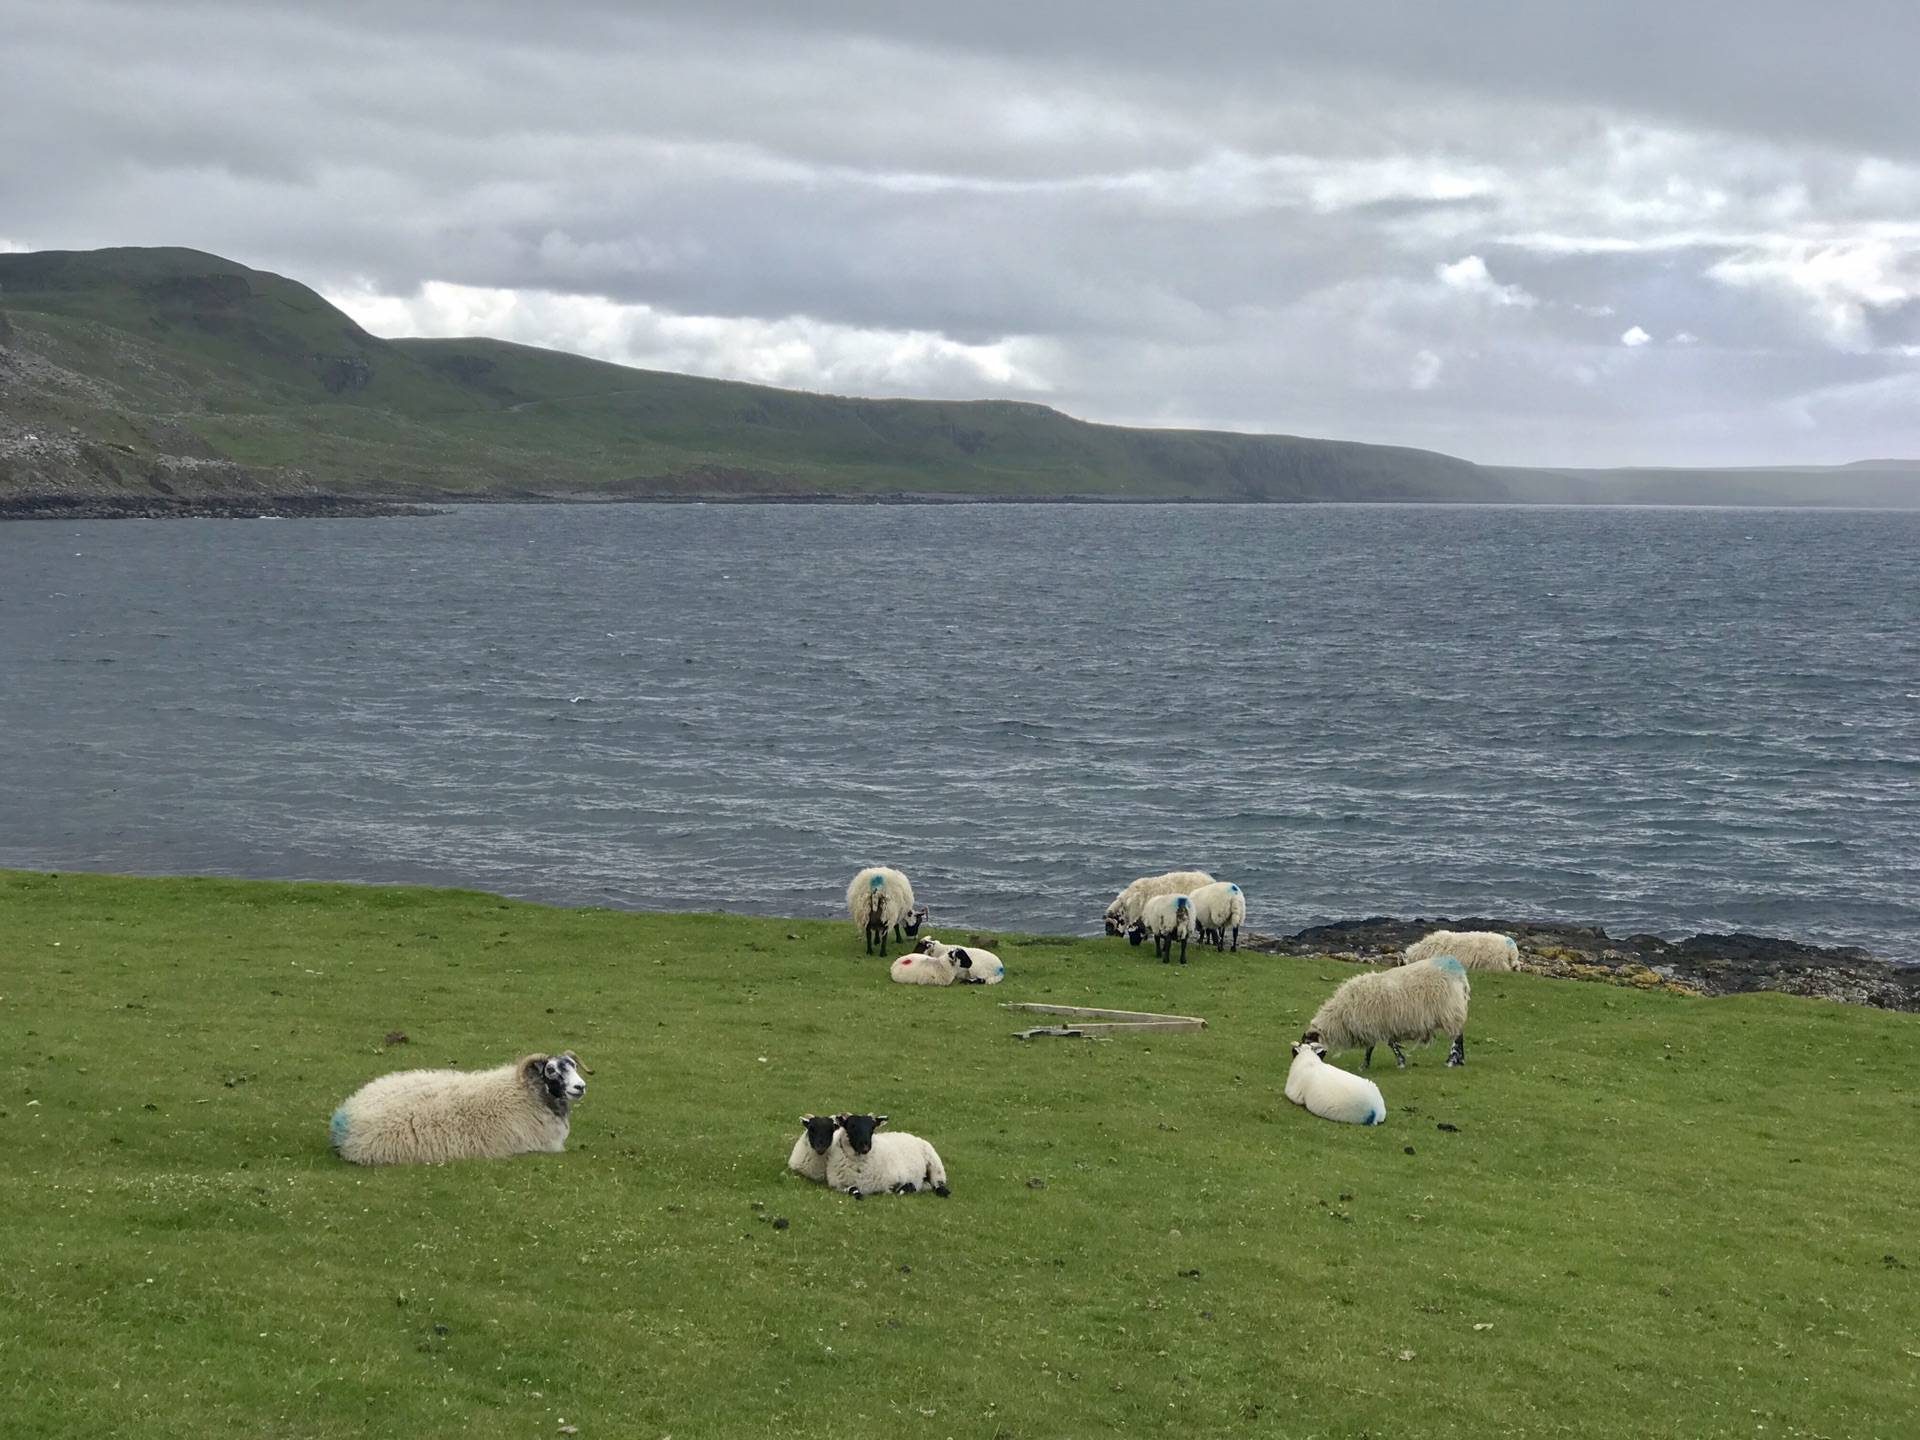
x=1128, y=904
x=430, y=1116
x=972, y=965
x=1166, y=918
x=862, y=1163
x=880, y=899
x=1388, y=1007
x=809, y=1156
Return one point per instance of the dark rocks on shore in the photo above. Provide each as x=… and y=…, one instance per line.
x=1703, y=964
x=218, y=507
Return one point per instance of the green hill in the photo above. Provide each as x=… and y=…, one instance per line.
x=138, y=373
x=1632, y=1214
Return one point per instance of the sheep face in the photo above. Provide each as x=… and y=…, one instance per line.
x=860, y=1130
x=1311, y=1044
x=914, y=921
x=560, y=1076
x=820, y=1130
x=1136, y=934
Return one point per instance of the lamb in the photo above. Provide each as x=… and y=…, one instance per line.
x=1217, y=908
x=1475, y=949
x=1126, y=906
x=919, y=968
x=881, y=899
x=975, y=966
x=809, y=1156
x=862, y=1163
x=1166, y=918
x=1330, y=1092
x=1389, y=1006
x=431, y=1116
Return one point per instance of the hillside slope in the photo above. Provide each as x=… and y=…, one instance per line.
x=136, y=373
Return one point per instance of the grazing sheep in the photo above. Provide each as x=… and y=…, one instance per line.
x=809, y=1156
x=862, y=1163
x=1218, y=908
x=1330, y=1092
x=1166, y=918
x=1386, y=1007
x=881, y=899
x=974, y=965
x=414, y=1116
x=1475, y=949
x=1127, y=905
x=918, y=968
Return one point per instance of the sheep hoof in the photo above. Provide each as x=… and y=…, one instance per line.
x=942, y=1191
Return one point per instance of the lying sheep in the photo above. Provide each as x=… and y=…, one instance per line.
x=1475, y=949
x=1218, y=908
x=974, y=966
x=1330, y=1092
x=1166, y=918
x=1386, y=1007
x=918, y=968
x=431, y=1116
x=1127, y=905
x=881, y=899
x=809, y=1156
x=862, y=1163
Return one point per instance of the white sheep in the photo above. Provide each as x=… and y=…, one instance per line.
x=809, y=1156
x=918, y=968
x=1218, y=908
x=881, y=899
x=1330, y=1092
x=414, y=1116
x=1166, y=918
x=1127, y=905
x=862, y=1163
x=1475, y=949
x=974, y=966
x=1386, y=1007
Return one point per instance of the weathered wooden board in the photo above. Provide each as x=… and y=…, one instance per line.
x=1095, y=1024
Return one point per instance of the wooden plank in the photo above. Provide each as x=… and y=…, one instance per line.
x=1097, y=1030
x=1088, y=1013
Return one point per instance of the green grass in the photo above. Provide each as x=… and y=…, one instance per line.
x=167, y=351
x=1658, y=1216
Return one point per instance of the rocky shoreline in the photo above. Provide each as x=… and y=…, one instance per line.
x=1698, y=965
x=201, y=507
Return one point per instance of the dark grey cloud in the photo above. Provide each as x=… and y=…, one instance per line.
x=1520, y=232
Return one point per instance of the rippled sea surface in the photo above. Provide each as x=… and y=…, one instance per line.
x=1662, y=720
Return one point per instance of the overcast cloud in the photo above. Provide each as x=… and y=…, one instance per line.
x=1608, y=233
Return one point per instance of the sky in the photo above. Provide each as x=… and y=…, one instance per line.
x=1519, y=231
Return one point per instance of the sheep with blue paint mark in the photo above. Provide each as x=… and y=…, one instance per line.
x=1330, y=1092
x=809, y=1156
x=1407, y=1005
x=1218, y=908
x=1166, y=918
x=1125, y=910
x=432, y=1116
x=1475, y=949
x=862, y=1163
x=880, y=899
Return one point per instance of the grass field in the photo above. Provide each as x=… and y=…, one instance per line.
x=1653, y=1216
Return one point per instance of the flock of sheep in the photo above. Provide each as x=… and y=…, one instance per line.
x=439, y=1115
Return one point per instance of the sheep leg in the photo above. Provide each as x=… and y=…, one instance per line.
x=1398, y=1053
x=1236, y=937
x=905, y=1187
x=1458, y=1055
x=1183, y=948
x=942, y=1191
x=1368, y=1061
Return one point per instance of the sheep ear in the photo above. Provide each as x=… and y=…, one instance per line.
x=878, y=1121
